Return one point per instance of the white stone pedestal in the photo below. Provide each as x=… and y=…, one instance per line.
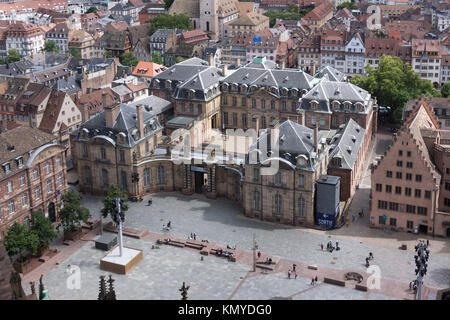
x=114, y=263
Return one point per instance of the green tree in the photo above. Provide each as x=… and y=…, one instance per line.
x=13, y=56
x=108, y=203
x=167, y=4
x=108, y=54
x=285, y=15
x=2, y=61
x=50, y=46
x=43, y=228
x=92, y=10
x=157, y=58
x=293, y=7
x=349, y=5
x=128, y=59
x=73, y=213
x=21, y=238
x=380, y=34
x=179, y=59
x=445, y=90
x=75, y=52
x=167, y=21
x=393, y=83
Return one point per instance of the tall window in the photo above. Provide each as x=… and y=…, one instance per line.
x=24, y=199
x=35, y=174
x=37, y=192
x=12, y=206
x=256, y=200
x=161, y=175
x=146, y=176
x=123, y=178
x=277, y=207
x=60, y=179
x=105, y=179
x=47, y=168
x=301, y=207
x=9, y=186
x=22, y=180
x=85, y=151
x=49, y=186
x=263, y=104
x=58, y=162
x=278, y=179
x=102, y=153
x=87, y=175
x=301, y=180
x=121, y=156
x=255, y=174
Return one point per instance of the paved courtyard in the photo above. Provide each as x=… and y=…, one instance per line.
x=161, y=273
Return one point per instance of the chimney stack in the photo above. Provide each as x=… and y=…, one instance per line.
x=111, y=112
x=238, y=62
x=224, y=70
x=84, y=112
x=283, y=64
x=316, y=138
x=140, y=120
x=211, y=60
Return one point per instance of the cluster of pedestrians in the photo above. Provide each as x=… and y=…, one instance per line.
x=330, y=247
x=370, y=257
x=292, y=272
x=314, y=280
x=192, y=236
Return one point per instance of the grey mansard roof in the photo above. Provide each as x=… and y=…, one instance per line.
x=294, y=140
x=326, y=92
x=262, y=73
x=153, y=104
x=346, y=144
x=331, y=74
x=125, y=124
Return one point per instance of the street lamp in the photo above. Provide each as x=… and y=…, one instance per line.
x=421, y=260
x=254, y=248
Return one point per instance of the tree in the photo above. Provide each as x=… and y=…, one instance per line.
x=349, y=5
x=50, y=46
x=445, y=90
x=393, y=83
x=167, y=4
x=13, y=55
x=73, y=213
x=157, y=58
x=2, y=61
x=293, y=7
x=108, y=54
x=179, y=59
x=19, y=239
x=75, y=52
x=286, y=15
x=109, y=201
x=380, y=34
x=43, y=228
x=167, y=21
x=92, y=10
x=128, y=59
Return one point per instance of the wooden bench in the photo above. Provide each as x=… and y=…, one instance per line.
x=194, y=245
x=204, y=252
x=313, y=267
x=334, y=281
x=360, y=287
x=265, y=266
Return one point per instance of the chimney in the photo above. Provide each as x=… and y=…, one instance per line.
x=238, y=62
x=224, y=70
x=140, y=120
x=283, y=64
x=111, y=112
x=84, y=112
x=211, y=60
x=316, y=138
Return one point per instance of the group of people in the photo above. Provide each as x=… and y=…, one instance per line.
x=292, y=272
x=370, y=257
x=192, y=236
x=330, y=247
x=413, y=286
x=314, y=280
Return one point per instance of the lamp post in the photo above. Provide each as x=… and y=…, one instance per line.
x=254, y=247
x=118, y=219
x=421, y=263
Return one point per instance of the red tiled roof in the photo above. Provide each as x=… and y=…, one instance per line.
x=148, y=69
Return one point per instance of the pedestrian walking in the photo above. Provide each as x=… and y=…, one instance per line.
x=295, y=274
x=293, y=267
x=428, y=242
x=370, y=256
x=316, y=279
x=289, y=274
x=195, y=236
x=337, y=244
x=259, y=254
x=321, y=246
x=312, y=281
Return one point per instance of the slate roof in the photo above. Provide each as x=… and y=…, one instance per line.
x=346, y=144
x=125, y=123
x=153, y=104
x=330, y=73
x=70, y=85
x=183, y=71
x=255, y=73
x=293, y=140
x=326, y=92
x=202, y=81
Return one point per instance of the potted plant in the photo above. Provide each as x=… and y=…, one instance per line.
x=72, y=215
x=19, y=239
x=44, y=229
x=108, y=202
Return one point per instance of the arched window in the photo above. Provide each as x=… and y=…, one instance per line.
x=123, y=178
x=277, y=204
x=146, y=176
x=161, y=175
x=256, y=200
x=105, y=180
x=301, y=207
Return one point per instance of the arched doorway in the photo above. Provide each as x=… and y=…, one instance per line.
x=52, y=212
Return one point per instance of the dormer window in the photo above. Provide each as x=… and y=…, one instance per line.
x=314, y=105
x=336, y=105
x=337, y=162
x=224, y=87
x=19, y=161
x=359, y=106
x=6, y=167
x=301, y=161
x=347, y=105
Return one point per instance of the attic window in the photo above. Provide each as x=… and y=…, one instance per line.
x=353, y=139
x=349, y=149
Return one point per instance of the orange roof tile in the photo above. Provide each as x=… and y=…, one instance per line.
x=148, y=69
